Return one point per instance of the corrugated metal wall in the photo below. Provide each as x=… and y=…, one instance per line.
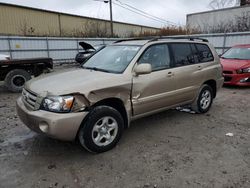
x=23, y=21
x=222, y=19
x=65, y=49
x=17, y=21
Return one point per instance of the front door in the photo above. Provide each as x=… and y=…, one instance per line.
x=154, y=91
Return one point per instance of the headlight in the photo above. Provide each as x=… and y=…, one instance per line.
x=58, y=103
x=86, y=55
x=241, y=71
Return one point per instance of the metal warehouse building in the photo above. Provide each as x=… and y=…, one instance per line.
x=221, y=21
x=20, y=20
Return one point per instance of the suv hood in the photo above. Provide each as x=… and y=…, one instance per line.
x=75, y=81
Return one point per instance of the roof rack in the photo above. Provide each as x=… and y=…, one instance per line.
x=131, y=39
x=155, y=38
x=187, y=37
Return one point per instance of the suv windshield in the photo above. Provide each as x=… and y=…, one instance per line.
x=237, y=53
x=114, y=59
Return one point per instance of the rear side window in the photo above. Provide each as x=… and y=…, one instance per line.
x=182, y=54
x=203, y=53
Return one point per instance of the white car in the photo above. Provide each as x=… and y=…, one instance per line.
x=4, y=57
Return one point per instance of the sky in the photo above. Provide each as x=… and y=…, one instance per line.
x=171, y=10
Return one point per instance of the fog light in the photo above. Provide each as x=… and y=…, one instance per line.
x=44, y=127
x=244, y=80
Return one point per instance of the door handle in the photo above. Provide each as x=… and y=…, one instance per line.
x=199, y=67
x=170, y=74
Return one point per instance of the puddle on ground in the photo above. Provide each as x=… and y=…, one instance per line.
x=18, y=139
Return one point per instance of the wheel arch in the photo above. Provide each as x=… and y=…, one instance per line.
x=117, y=104
x=212, y=84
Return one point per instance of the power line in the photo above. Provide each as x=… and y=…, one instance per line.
x=111, y=15
x=139, y=13
x=143, y=12
x=99, y=7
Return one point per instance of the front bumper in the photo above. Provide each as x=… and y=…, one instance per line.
x=237, y=79
x=63, y=126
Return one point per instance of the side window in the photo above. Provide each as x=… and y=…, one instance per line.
x=182, y=54
x=204, y=54
x=157, y=56
x=195, y=53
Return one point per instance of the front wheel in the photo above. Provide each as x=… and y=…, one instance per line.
x=204, y=100
x=102, y=129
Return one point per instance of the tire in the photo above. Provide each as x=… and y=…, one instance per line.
x=102, y=129
x=204, y=100
x=16, y=79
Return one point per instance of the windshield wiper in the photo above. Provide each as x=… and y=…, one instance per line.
x=96, y=69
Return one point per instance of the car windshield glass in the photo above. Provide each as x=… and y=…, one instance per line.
x=237, y=53
x=114, y=59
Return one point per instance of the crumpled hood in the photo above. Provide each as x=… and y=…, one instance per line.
x=234, y=64
x=74, y=81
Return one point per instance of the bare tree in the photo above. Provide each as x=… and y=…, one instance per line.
x=219, y=4
x=25, y=29
x=240, y=23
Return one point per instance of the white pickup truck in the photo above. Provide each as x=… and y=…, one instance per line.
x=4, y=57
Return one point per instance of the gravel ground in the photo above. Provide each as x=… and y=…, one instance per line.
x=171, y=149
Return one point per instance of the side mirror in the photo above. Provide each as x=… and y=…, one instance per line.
x=144, y=68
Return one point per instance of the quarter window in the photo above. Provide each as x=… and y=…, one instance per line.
x=157, y=56
x=204, y=54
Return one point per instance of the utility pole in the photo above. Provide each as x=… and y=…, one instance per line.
x=111, y=16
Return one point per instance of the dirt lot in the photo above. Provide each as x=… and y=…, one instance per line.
x=170, y=149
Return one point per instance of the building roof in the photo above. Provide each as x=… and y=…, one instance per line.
x=218, y=10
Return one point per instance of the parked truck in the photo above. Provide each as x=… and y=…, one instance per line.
x=16, y=72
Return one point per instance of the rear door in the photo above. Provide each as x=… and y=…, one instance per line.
x=188, y=73
x=208, y=66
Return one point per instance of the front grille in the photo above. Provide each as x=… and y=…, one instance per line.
x=29, y=98
x=228, y=72
x=227, y=79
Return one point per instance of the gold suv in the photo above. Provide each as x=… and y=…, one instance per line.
x=126, y=80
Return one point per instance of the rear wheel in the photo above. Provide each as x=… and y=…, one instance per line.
x=102, y=129
x=16, y=79
x=204, y=100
